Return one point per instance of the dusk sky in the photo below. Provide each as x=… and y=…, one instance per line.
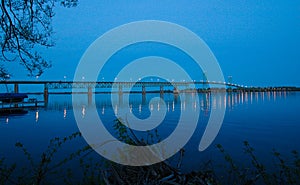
x=255, y=42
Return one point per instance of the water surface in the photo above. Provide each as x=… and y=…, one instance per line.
x=266, y=119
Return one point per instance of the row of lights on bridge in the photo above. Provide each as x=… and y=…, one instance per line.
x=139, y=79
x=83, y=78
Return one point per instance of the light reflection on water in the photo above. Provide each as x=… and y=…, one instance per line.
x=265, y=119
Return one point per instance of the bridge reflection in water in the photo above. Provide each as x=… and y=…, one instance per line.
x=139, y=103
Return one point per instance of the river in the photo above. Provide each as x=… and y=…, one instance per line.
x=267, y=120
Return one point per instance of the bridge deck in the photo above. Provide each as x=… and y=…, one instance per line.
x=110, y=84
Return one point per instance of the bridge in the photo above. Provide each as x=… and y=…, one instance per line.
x=120, y=85
x=109, y=84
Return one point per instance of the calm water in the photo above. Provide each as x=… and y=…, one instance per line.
x=267, y=120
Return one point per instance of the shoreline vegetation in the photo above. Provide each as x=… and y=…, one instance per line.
x=50, y=170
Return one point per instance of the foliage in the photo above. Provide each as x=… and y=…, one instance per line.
x=284, y=171
x=24, y=26
x=159, y=173
x=94, y=171
x=40, y=172
x=128, y=136
x=4, y=75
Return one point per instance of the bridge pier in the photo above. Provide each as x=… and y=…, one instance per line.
x=90, y=95
x=46, y=94
x=175, y=97
x=161, y=89
x=175, y=90
x=16, y=88
x=143, y=90
x=120, y=91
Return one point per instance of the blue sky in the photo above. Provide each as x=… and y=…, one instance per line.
x=256, y=42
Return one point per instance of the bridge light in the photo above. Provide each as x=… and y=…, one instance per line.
x=83, y=111
x=65, y=113
x=36, y=116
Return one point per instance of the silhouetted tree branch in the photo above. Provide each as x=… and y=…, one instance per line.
x=26, y=25
x=4, y=75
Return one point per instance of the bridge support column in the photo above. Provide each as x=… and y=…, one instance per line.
x=161, y=89
x=175, y=90
x=16, y=88
x=120, y=91
x=229, y=89
x=143, y=90
x=90, y=95
x=46, y=94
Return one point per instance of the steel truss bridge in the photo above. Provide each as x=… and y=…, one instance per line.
x=113, y=85
x=87, y=84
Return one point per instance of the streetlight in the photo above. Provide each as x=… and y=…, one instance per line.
x=65, y=77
